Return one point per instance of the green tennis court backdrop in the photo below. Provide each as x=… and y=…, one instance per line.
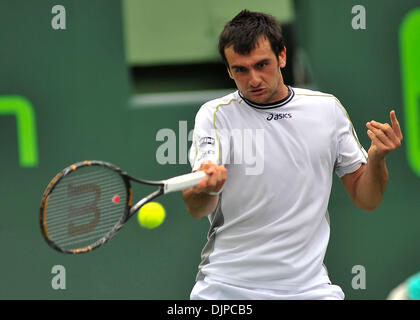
x=80, y=104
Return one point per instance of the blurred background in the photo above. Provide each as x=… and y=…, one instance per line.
x=119, y=71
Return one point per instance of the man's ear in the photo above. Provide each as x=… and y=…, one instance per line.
x=282, y=58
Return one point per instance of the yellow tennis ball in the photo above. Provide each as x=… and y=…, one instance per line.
x=151, y=215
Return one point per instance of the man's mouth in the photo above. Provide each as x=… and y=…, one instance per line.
x=257, y=91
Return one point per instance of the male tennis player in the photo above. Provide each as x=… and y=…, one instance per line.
x=270, y=228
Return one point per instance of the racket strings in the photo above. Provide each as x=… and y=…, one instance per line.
x=85, y=206
x=58, y=204
x=59, y=228
x=95, y=235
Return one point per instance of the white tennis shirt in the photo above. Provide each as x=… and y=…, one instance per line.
x=271, y=227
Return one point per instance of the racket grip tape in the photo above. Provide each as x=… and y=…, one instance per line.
x=183, y=182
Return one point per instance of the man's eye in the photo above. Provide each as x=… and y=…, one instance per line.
x=262, y=64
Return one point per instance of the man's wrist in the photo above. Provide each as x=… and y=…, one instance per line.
x=215, y=193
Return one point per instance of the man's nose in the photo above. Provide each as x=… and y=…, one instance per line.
x=254, y=79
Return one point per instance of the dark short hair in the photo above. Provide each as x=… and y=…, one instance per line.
x=244, y=30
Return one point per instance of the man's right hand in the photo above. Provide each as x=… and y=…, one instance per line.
x=199, y=199
x=216, y=180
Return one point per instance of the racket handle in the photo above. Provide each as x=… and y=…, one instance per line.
x=183, y=182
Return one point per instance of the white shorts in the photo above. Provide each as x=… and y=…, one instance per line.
x=209, y=289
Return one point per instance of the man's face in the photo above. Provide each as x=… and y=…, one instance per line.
x=257, y=75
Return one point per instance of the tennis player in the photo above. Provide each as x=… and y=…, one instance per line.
x=270, y=228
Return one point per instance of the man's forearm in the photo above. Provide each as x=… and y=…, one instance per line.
x=371, y=185
x=198, y=200
x=199, y=204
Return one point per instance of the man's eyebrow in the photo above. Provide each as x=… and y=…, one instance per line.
x=237, y=66
x=262, y=61
x=257, y=63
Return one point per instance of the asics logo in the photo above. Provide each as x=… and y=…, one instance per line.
x=278, y=116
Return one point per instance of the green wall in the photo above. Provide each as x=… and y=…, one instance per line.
x=79, y=88
x=161, y=32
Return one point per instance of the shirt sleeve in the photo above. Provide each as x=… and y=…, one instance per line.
x=210, y=143
x=350, y=153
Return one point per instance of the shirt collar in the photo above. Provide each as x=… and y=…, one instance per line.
x=276, y=104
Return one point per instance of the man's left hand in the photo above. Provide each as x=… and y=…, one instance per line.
x=385, y=138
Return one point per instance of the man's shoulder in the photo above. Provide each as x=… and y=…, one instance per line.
x=305, y=92
x=215, y=107
x=225, y=100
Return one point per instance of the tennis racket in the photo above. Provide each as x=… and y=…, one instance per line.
x=87, y=203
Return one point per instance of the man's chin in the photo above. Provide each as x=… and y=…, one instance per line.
x=258, y=97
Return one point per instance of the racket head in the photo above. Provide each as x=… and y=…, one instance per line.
x=84, y=206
